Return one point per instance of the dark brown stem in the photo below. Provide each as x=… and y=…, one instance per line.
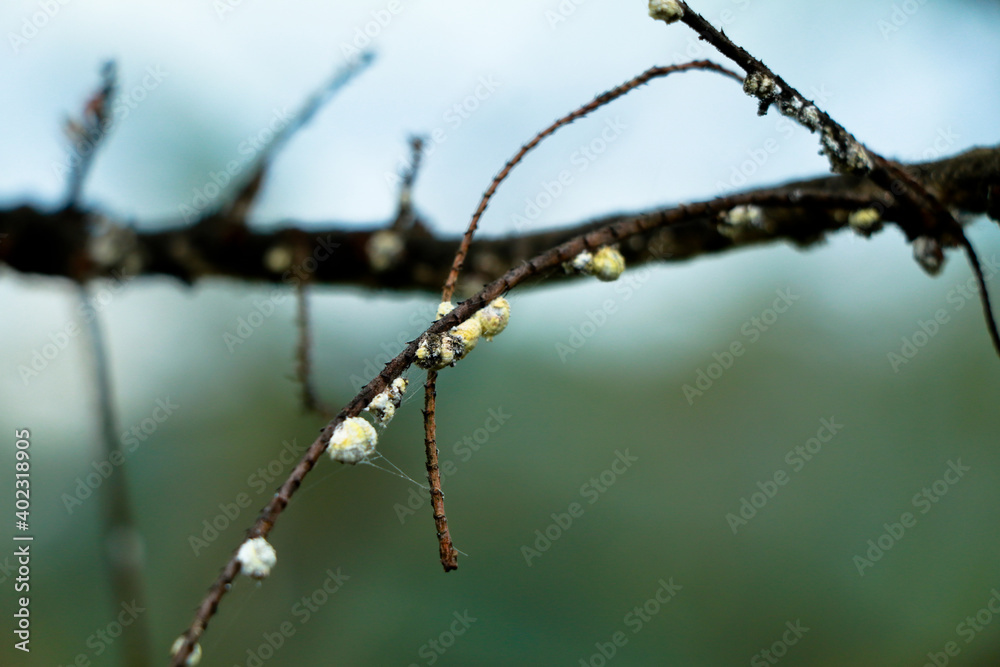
x=122, y=542
x=404, y=213
x=59, y=243
x=924, y=213
x=838, y=142
x=984, y=295
x=449, y=557
x=303, y=365
x=596, y=103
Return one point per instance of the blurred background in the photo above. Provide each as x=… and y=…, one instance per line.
x=658, y=566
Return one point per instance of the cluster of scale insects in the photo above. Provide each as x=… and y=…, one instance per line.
x=355, y=439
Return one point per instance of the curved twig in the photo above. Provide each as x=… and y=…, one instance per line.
x=448, y=555
x=596, y=103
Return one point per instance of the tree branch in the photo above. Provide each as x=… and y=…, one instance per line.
x=61, y=243
x=596, y=103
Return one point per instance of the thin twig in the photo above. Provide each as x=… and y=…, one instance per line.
x=984, y=295
x=927, y=215
x=596, y=103
x=404, y=214
x=89, y=132
x=122, y=542
x=449, y=557
x=845, y=152
x=543, y=263
x=235, y=211
x=303, y=350
x=303, y=365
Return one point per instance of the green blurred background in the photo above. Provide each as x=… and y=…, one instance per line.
x=665, y=517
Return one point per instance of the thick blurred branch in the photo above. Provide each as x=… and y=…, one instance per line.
x=66, y=243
